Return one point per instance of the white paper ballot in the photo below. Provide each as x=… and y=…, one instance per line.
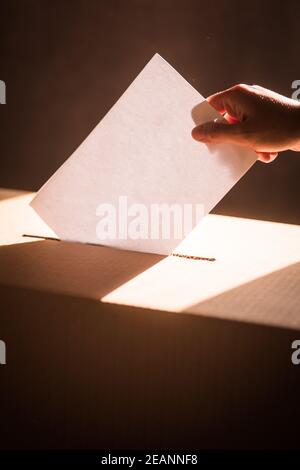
x=139, y=181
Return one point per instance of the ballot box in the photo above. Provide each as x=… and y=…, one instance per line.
x=108, y=348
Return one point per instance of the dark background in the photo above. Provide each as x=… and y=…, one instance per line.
x=66, y=62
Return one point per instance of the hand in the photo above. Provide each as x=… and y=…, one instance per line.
x=257, y=118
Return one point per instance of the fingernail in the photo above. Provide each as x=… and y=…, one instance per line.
x=196, y=134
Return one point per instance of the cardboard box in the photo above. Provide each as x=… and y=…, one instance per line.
x=114, y=349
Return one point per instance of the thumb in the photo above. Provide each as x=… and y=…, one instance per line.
x=219, y=132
